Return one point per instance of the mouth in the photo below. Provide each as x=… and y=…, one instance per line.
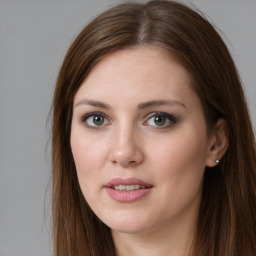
x=128, y=184
x=127, y=190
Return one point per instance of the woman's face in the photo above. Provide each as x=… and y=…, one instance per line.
x=139, y=141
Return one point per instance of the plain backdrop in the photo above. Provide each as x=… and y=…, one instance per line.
x=34, y=36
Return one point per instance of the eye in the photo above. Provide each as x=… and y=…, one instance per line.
x=160, y=119
x=95, y=120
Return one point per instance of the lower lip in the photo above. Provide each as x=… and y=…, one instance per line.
x=127, y=196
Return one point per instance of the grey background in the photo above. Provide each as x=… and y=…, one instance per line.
x=34, y=35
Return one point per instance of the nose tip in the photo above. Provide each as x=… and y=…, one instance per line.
x=125, y=159
x=126, y=152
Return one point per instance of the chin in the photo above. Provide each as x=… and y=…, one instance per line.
x=128, y=224
x=128, y=229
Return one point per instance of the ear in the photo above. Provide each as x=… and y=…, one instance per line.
x=218, y=143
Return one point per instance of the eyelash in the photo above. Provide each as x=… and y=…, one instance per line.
x=84, y=119
x=167, y=117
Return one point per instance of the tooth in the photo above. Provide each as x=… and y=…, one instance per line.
x=119, y=187
x=128, y=187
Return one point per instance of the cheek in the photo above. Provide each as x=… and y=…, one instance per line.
x=88, y=152
x=180, y=152
x=88, y=157
x=179, y=166
x=86, y=163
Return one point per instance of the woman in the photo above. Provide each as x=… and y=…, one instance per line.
x=153, y=148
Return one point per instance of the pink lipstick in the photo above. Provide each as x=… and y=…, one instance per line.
x=127, y=190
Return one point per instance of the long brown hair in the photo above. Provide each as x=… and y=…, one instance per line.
x=227, y=217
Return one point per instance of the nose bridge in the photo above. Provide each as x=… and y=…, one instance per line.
x=126, y=149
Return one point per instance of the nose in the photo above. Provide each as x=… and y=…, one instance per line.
x=126, y=148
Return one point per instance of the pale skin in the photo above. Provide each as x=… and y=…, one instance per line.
x=136, y=116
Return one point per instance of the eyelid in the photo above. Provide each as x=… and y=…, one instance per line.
x=85, y=116
x=83, y=119
x=160, y=113
x=170, y=117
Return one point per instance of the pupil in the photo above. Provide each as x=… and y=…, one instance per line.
x=98, y=120
x=160, y=120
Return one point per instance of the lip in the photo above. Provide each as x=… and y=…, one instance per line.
x=129, y=181
x=127, y=196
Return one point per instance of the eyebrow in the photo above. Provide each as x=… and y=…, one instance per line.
x=93, y=103
x=156, y=103
x=141, y=106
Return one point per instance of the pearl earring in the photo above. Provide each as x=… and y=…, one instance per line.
x=217, y=161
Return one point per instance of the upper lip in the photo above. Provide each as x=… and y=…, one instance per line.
x=127, y=181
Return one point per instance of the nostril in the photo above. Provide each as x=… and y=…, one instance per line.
x=125, y=163
x=131, y=162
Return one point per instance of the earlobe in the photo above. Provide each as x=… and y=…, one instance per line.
x=218, y=143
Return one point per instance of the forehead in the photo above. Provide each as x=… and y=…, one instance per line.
x=144, y=72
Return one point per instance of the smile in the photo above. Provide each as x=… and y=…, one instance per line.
x=128, y=187
x=127, y=190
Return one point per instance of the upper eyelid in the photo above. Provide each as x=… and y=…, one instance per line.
x=95, y=113
x=172, y=119
x=83, y=118
x=160, y=113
